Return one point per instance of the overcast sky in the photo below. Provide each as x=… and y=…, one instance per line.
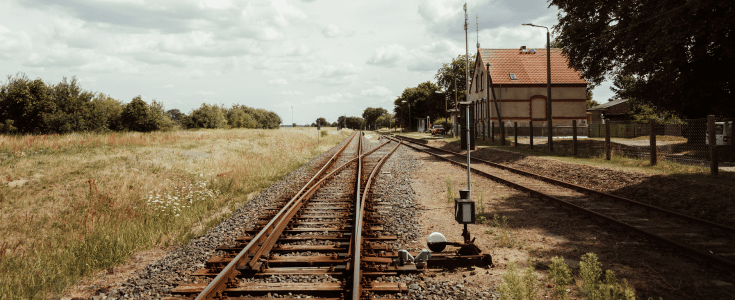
x=324, y=58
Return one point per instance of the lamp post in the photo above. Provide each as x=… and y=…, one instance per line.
x=292, y=115
x=548, y=84
x=409, y=113
x=446, y=107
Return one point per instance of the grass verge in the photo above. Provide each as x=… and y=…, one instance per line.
x=75, y=204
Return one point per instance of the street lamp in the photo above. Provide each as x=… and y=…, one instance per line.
x=446, y=107
x=292, y=115
x=548, y=84
x=409, y=113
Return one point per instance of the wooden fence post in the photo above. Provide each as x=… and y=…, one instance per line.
x=530, y=135
x=713, y=168
x=653, y=142
x=607, y=141
x=574, y=137
x=515, y=131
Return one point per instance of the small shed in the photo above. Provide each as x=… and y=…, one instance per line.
x=615, y=110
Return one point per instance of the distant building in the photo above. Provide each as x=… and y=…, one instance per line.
x=615, y=110
x=519, y=79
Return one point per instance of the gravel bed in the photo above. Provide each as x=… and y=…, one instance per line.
x=399, y=209
x=159, y=278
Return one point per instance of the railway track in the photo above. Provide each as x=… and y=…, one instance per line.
x=324, y=241
x=701, y=239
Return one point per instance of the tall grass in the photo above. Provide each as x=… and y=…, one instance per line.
x=91, y=200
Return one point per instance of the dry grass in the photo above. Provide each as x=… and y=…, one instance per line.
x=88, y=201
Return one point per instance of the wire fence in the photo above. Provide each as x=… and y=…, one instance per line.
x=684, y=141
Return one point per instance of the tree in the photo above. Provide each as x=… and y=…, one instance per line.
x=135, y=115
x=176, y=115
x=677, y=65
x=385, y=120
x=26, y=105
x=423, y=101
x=457, y=69
x=322, y=122
x=105, y=113
x=372, y=114
x=356, y=123
x=71, y=109
x=208, y=116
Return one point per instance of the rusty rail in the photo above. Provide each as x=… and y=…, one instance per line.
x=266, y=237
x=693, y=252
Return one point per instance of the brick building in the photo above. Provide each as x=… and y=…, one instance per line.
x=519, y=80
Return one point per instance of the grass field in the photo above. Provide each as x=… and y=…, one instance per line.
x=75, y=204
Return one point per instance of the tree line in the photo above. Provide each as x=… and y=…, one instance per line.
x=35, y=107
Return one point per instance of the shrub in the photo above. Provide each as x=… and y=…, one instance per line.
x=208, y=116
x=444, y=122
x=561, y=275
x=519, y=286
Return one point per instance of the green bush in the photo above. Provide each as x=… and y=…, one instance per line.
x=519, y=286
x=561, y=275
x=444, y=122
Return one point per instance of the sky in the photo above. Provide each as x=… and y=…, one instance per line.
x=302, y=59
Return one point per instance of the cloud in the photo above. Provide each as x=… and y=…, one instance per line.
x=445, y=18
x=331, y=74
x=278, y=81
x=421, y=59
x=331, y=99
x=332, y=30
x=291, y=93
x=260, y=20
x=388, y=56
x=376, y=91
x=13, y=42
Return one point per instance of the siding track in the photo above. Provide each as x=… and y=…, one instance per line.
x=711, y=242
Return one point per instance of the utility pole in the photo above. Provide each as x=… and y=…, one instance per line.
x=467, y=98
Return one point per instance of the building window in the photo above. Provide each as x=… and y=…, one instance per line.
x=482, y=81
x=513, y=76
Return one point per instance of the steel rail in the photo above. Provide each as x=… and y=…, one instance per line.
x=219, y=283
x=359, y=215
x=355, y=240
x=587, y=190
x=707, y=257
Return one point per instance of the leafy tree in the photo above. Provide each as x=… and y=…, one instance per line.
x=385, y=120
x=592, y=103
x=208, y=116
x=239, y=117
x=372, y=114
x=71, y=109
x=135, y=115
x=457, y=69
x=25, y=105
x=104, y=113
x=677, y=65
x=176, y=115
x=356, y=123
x=322, y=121
x=334, y=124
x=157, y=118
x=423, y=102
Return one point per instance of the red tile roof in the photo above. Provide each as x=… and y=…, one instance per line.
x=530, y=68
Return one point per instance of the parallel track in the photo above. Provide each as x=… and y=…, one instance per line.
x=317, y=235
x=714, y=243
